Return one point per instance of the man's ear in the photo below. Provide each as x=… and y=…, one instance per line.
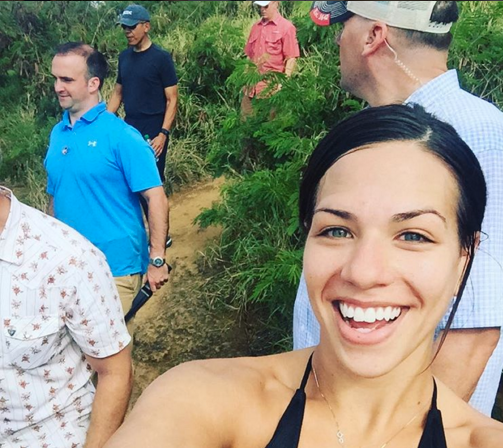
x=94, y=84
x=375, y=38
x=147, y=27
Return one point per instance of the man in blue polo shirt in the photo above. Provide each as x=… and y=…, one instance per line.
x=98, y=166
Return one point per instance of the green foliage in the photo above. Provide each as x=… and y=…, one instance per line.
x=478, y=49
x=213, y=54
x=186, y=165
x=22, y=141
x=259, y=246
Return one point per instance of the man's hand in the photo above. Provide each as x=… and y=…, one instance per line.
x=157, y=277
x=158, y=144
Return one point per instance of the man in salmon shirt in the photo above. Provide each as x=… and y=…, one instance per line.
x=272, y=46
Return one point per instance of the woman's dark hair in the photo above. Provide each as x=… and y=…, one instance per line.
x=97, y=64
x=404, y=123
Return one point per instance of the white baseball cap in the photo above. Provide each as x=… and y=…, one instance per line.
x=408, y=15
x=261, y=3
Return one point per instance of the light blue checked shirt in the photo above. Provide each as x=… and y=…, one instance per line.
x=480, y=124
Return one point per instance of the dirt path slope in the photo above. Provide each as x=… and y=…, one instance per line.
x=177, y=324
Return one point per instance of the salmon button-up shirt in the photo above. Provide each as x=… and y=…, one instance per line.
x=270, y=44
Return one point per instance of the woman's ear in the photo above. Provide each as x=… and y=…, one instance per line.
x=466, y=259
x=477, y=241
x=375, y=38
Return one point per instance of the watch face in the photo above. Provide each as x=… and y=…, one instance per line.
x=158, y=262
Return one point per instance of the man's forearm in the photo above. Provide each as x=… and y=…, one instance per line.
x=158, y=222
x=169, y=115
x=114, y=102
x=463, y=358
x=50, y=206
x=290, y=66
x=109, y=407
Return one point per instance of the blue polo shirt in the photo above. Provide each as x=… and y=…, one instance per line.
x=96, y=170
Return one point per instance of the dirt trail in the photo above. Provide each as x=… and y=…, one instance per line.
x=177, y=325
x=188, y=239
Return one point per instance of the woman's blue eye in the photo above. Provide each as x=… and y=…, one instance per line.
x=414, y=237
x=338, y=233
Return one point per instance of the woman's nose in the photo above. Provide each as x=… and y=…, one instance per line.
x=368, y=264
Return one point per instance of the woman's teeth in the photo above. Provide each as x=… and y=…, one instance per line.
x=369, y=315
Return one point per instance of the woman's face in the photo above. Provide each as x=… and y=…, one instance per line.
x=382, y=258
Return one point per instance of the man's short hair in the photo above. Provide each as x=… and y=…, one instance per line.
x=97, y=65
x=443, y=12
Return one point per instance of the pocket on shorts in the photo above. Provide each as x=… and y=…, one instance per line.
x=31, y=341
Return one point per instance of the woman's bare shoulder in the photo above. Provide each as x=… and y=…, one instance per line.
x=486, y=433
x=208, y=395
x=465, y=426
x=190, y=405
x=245, y=372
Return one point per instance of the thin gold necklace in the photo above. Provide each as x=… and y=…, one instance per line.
x=340, y=434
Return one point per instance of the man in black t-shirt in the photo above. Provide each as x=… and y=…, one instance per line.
x=146, y=83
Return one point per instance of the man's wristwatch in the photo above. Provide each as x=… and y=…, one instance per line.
x=157, y=262
x=165, y=132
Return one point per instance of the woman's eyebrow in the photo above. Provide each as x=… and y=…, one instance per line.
x=339, y=213
x=400, y=217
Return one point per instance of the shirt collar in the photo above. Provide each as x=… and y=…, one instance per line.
x=10, y=233
x=274, y=20
x=438, y=87
x=88, y=117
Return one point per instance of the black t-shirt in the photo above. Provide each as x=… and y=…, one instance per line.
x=144, y=75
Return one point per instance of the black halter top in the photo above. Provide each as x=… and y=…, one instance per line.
x=287, y=433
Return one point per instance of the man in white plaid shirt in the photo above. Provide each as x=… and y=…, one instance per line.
x=396, y=52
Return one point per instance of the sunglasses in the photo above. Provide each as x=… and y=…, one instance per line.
x=130, y=28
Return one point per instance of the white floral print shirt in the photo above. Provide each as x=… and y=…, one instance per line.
x=58, y=301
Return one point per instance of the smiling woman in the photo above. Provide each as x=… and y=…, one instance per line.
x=392, y=201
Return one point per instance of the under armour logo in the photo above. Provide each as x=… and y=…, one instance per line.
x=92, y=143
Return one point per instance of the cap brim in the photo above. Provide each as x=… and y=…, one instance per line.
x=329, y=13
x=261, y=3
x=128, y=22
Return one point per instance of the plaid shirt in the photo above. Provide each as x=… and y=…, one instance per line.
x=57, y=301
x=480, y=124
